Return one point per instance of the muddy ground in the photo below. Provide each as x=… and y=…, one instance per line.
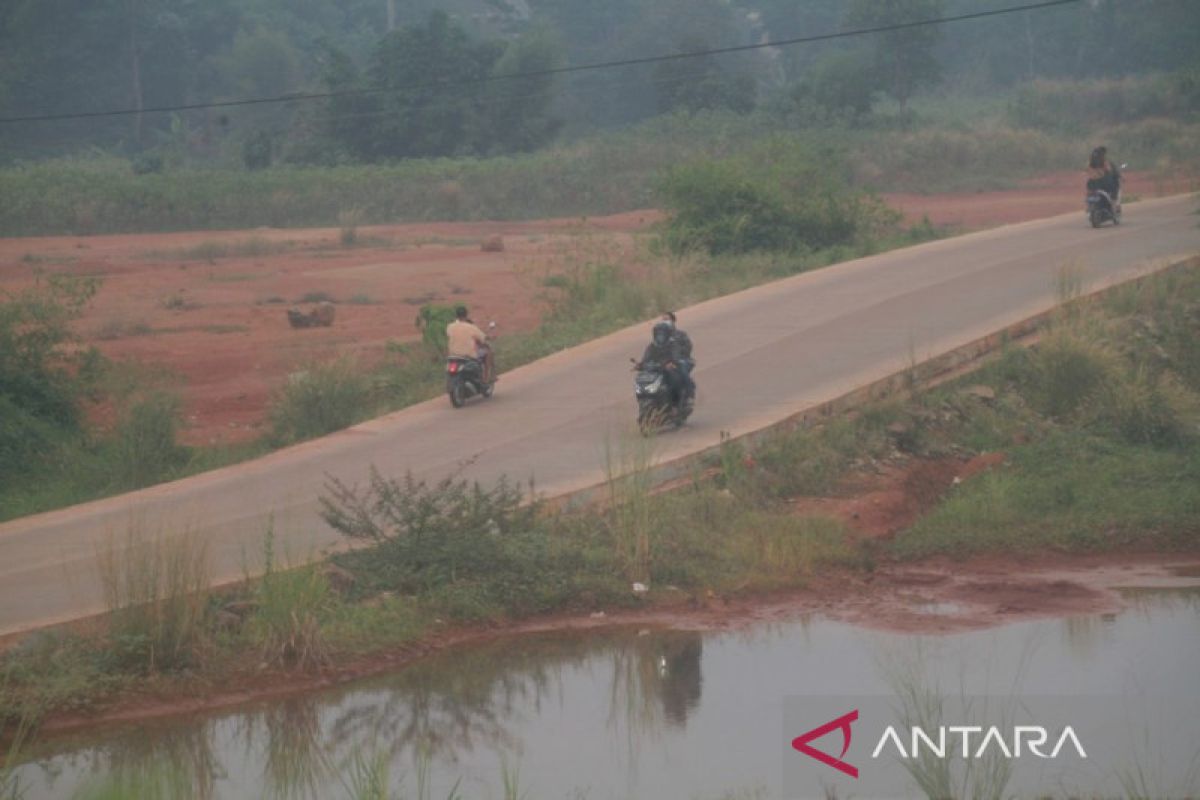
x=217, y=322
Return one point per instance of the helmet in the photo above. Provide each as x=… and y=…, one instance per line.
x=662, y=332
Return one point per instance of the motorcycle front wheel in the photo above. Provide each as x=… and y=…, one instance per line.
x=1096, y=218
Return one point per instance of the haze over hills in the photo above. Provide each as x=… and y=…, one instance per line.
x=82, y=56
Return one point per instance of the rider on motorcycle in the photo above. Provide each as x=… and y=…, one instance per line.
x=1103, y=175
x=684, y=344
x=664, y=350
x=465, y=340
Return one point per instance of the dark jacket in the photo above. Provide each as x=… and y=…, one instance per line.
x=663, y=353
x=683, y=343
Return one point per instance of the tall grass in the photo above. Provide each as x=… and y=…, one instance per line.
x=156, y=591
x=632, y=512
x=1073, y=106
x=321, y=399
x=146, y=449
x=290, y=605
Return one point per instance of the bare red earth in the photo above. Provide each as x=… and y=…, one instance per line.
x=219, y=324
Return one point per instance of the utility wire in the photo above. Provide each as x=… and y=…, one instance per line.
x=304, y=96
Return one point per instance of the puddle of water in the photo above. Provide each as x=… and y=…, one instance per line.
x=659, y=714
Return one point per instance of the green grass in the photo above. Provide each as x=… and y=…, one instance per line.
x=961, y=143
x=1072, y=492
x=1101, y=425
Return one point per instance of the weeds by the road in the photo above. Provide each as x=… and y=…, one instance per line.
x=321, y=399
x=291, y=604
x=1101, y=424
x=156, y=590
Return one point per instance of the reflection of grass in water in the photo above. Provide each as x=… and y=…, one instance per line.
x=20, y=729
x=1146, y=777
x=296, y=763
x=369, y=777
x=160, y=780
x=923, y=704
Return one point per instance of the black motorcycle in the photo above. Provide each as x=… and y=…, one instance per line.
x=1102, y=209
x=464, y=380
x=657, y=406
x=1102, y=206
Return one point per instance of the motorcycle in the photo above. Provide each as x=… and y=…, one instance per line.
x=656, y=407
x=464, y=377
x=1103, y=207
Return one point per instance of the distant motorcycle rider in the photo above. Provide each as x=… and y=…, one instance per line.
x=1102, y=174
x=665, y=351
x=465, y=340
x=683, y=343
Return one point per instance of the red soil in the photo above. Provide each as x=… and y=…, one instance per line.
x=209, y=322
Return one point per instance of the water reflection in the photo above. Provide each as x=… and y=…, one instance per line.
x=620, y=713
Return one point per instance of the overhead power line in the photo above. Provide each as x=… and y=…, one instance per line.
x=628, y=62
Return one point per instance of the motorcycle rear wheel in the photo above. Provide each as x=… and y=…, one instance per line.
x=1096, y=218
x=457, y=394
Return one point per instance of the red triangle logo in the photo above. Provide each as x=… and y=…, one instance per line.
x=802, y=741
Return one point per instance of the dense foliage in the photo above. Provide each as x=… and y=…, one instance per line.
x=40, y=384
x=779, y=196
x=413, y=69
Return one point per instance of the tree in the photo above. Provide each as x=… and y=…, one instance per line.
x=518, y=110
x=429, y=80
x=904, y=59
x=701, y=83
x=842, y=85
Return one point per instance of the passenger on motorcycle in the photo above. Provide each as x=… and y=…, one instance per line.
x=664, y=350
x=465, y=340
x=1103, y=175
x=684, y=344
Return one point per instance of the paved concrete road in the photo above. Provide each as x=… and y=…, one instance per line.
x=763, y=354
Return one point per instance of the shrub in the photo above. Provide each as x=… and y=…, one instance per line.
x=40, y=384
x=779, y=196
x=432, y=319
x=322, y=399
x=1066, y=371
x=429, y=536
x=146, y=446
x=1142, y=408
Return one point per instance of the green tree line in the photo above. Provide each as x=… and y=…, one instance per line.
x=424, y=76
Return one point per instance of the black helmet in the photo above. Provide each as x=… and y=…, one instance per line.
x=662, y=333
x=461, y=312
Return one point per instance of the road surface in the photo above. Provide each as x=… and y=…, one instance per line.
x=763, y=355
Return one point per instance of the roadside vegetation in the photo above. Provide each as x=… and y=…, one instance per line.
x=938, y=145
x=1099, y=424
x=788, y=222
